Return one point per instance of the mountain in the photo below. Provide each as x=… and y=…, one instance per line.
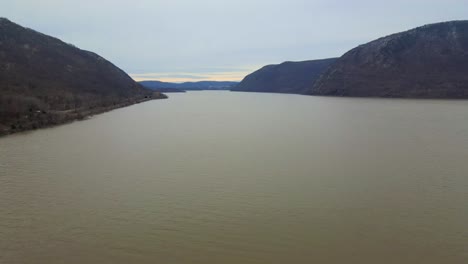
x=187, y=86
x=163, y=87
x=44, y=81
x=287, y=77
x=156, y=85
x=426, y=62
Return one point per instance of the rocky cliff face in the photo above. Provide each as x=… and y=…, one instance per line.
x=287, y=77
x=45, y=81
x=426, y=62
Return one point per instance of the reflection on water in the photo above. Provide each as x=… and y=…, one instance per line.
x=219, y=177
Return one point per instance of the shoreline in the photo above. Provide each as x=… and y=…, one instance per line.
x=40, y=119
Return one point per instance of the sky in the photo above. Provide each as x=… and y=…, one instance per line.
x=193, y=40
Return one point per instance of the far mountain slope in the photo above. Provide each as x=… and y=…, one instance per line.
x=425, y=62
x=287, y=77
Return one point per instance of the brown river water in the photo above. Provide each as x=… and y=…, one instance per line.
x=221, y=177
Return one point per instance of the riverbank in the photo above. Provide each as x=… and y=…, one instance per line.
x=37, y=119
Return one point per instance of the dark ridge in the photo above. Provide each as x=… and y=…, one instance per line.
x=426, y=62
x=45, y=81
x=287, y=77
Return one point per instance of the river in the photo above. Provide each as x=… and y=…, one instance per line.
x=223, y=177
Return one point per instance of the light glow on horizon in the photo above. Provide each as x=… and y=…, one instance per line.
x=178, y=77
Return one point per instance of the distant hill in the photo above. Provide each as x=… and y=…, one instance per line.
x=187, y=86
x=163, y=87
x=287, y=77
x=425, y=62
x=44, y=81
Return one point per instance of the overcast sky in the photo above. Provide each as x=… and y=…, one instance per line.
x=179, y=40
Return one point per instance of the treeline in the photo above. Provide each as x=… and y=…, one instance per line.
x=20, y=113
